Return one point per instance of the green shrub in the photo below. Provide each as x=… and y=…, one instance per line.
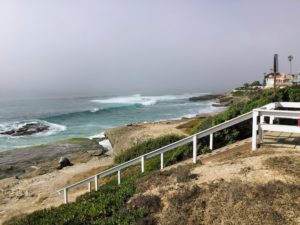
x=243, y=130
x=106, y=206
x=146, y=147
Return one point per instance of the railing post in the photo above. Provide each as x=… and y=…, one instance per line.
x=89, y=186
x=211, y=141
x=272, y=119
x=260, y=131
x=143, y=164
x=65, y=195
x=262, y=119
x=194, y=148
x=161, y=161
x=254, y=129
x=260, y=134
x=119, y=177
x=96, y=183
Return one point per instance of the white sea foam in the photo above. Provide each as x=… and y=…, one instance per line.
x=143, y=100
x=101, y=135
x=106, y=144
x=53, y=128
x=94, y=110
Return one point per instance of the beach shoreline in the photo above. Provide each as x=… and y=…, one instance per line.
x=37, y=160
x=35, y=187
x=40, y=159
x=32, y=178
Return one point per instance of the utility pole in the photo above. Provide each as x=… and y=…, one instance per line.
x=275, y=71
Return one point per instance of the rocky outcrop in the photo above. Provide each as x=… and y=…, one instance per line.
x=125, y=137
x=98, y=152
x=37, y=160
x=27, y=129
x=204, y=97
x=64, y=162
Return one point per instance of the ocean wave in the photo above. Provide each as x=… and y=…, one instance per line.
x=53, y=127
x=144, y=100
x=100, y=111
x=94, y=110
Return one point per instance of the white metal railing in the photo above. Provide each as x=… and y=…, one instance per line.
x=270, y=111
x=141, y=159
x=258, y=122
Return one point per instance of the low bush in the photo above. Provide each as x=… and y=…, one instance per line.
x=243, y=130
x=146, y=147
x=106, y=206
x=170, y=158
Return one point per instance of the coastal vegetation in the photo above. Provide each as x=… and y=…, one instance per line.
x=243, y=130
x=109, y=204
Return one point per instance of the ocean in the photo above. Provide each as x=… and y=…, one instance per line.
x=88, y=116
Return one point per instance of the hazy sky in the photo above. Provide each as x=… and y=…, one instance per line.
x=105, y=47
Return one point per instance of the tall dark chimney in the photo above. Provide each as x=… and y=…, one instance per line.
x=275, y=68
x=276, y=63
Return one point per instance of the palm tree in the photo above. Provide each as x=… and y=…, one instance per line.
x=290, y=58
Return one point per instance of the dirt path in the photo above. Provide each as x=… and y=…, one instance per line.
x=28, y=195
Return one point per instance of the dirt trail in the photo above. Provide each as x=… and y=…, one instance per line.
x=28, y=195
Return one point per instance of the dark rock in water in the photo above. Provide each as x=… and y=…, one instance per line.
x=204, y=98
x=63, y=162
x=28, y=129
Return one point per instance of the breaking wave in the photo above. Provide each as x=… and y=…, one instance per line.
x=53, y=127
x=143, y=100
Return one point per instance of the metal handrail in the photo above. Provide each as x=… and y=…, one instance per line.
x=160, y=151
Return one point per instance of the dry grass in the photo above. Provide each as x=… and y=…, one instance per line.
x=180, y=174
x=190, y=125
x=229, y=202
x=288, y=165
x=234, y=203
x=150, y=204
x=84, y=175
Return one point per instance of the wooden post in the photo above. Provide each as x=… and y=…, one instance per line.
x=254, y=130
x=96, y=183
x=262, y=119
x=119, y=177
x=161, y=161
x=211, y=141
x=143, y=164
x=65, y=195
x=260, y=135
x=194, y=148
x=89, y=186
x=272, y=119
